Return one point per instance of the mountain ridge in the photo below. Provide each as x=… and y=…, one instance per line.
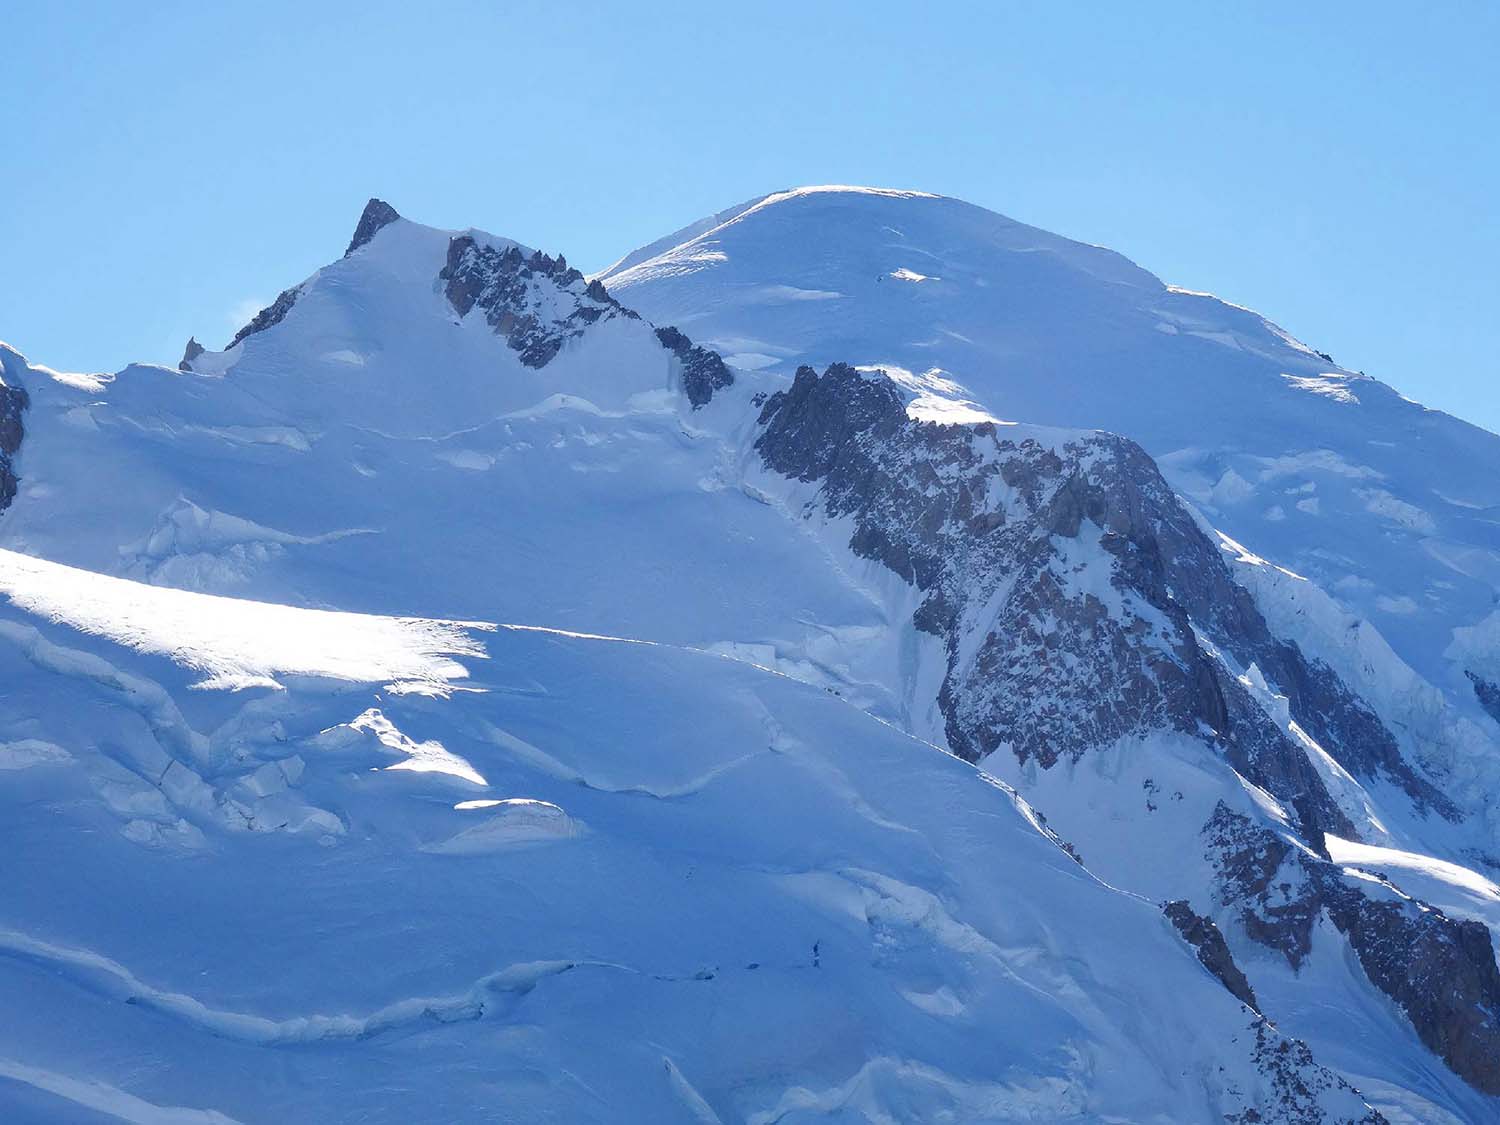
x=827, y=527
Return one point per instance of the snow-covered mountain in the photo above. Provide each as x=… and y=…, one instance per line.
x=1391, y=508
x=482, y=692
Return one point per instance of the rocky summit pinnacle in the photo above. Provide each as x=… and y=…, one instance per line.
x=377, y=214
x=190, y=353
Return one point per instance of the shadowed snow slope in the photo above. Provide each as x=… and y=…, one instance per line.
x=679, y=955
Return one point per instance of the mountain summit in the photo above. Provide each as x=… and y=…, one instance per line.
x=843, y=660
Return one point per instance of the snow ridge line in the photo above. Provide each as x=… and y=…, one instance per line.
x=539, y=759
x=146, y=697
x=108, y=978
x=106, y=1099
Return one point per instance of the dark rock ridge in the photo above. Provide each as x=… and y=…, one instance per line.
x=377, y=214
x=1080, y=602
x=1298, y=1084
x=190, y=353
x=1440, y=970
x=1055, y=647
x=506, y=285
x=270, y=316
x=13, y=401
x=1487, y=693
x=703, y=371
x=1213, y=951
x=1322, y=704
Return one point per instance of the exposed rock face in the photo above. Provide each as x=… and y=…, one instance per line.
x=537, y=303
x=1302, y=1089
x=1317, y=698
x=377, y=214
x=1440, y=970
x=1055, y=646
x=1275, y=904
x=1487, y=693
x=190, y=353
x=1073, y=658
x=703, y=371
x=1080, y=602
x=13, y=400
x=1213, y=951
x=273, y=314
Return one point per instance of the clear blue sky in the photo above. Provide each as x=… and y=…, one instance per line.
x=1334, y=165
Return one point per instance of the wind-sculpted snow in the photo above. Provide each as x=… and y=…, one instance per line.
x=50, y=1095
x=235, y=643
x=114, y=981
x=189, y=548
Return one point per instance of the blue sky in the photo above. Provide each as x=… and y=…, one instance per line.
x=169, y=166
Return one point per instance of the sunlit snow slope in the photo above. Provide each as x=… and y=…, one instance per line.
x=600, y=881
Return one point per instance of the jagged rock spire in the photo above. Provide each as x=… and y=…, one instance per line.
x=190, y=353
x=377, y=213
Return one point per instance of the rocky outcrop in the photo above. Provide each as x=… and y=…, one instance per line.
x=270, y=316
x=190, y=353
x=703, y=371
x=1055, y=647
x=1302, y=1092
x=1487, y=693
x=1262, y=877
x=1213, y=951
x=1051, y=570
x=377, y=214
x=13, y=401
x=1080, y=602
x=1441, y=971
x=1317, y=698
x=536, y=302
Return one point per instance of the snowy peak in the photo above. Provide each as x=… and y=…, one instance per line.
x=377, y=214
x=460, y=306
x=873, y=234
x=895, y=261
x=706, y=570
x=855, y=213
x=1385, y=505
